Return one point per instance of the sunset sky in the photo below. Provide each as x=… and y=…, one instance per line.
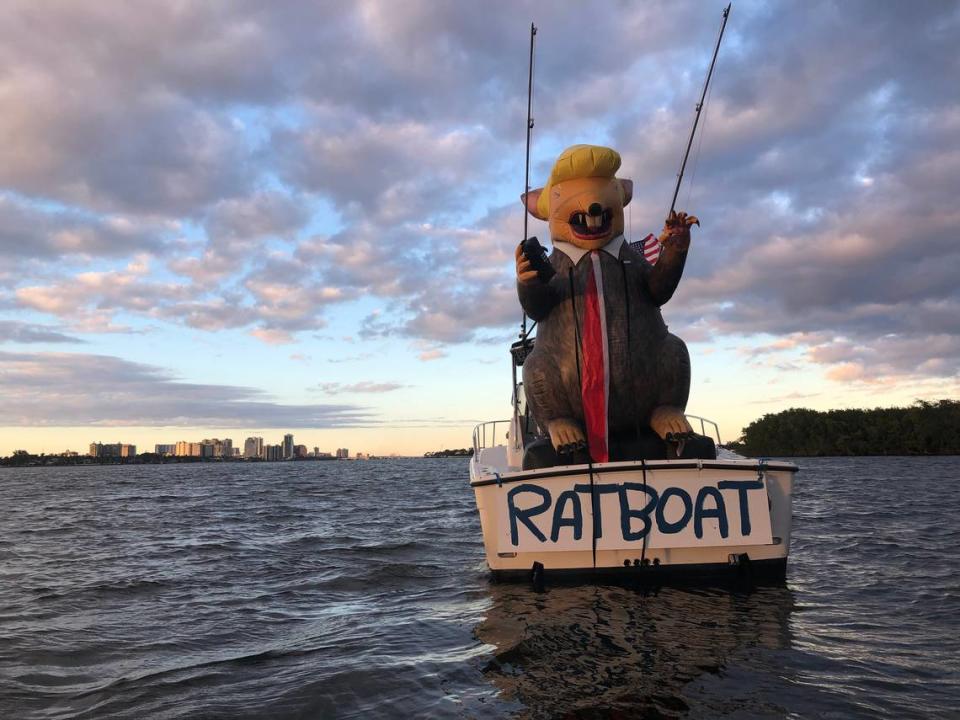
x=238, y=218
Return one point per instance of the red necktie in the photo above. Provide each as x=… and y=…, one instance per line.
x=593, y=390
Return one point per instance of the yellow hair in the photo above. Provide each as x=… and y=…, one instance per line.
x=579, y=161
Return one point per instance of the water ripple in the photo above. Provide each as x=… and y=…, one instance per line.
x=358, y=590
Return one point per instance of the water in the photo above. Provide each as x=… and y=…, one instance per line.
x=358, y=590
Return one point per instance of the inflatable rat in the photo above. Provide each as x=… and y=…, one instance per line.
x=604, y=369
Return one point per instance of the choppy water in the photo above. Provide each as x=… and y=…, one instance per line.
x=358, y=590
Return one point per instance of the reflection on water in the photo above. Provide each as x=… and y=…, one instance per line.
x=608, y=651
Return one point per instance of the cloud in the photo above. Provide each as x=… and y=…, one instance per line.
x=30, y=231
x=90, y=300
x=388, y=171
x=445, y=283
x=431, y=354
x=73, y=389
x=889, y=357
x=100, y=115
x=272, y=336
x=237, y=231
x=20, y=332
x=364, y=386
x=259, y=215
x=350, y=358
x=314, y=156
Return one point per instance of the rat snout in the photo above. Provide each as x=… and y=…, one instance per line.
x=596, y=216
x=591, y=219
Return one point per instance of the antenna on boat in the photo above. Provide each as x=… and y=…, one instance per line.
x=696, y=118
x=526, y=172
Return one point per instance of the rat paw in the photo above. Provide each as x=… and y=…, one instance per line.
x=670, y=422
x=566, y=435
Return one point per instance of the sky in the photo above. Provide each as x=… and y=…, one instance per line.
x=234, y=218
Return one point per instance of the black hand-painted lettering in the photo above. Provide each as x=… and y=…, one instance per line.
x=627, y=513
x=742, y=486
x=525, y=514
x=719, y=512
x=559, y=521
x=598, y=490
x=670, y=528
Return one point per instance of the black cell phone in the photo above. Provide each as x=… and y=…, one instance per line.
x=534, y=252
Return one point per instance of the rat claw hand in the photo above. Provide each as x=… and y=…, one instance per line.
x=676, y=230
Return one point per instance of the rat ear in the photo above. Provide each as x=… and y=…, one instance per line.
x=627, y=187
x=530, y=201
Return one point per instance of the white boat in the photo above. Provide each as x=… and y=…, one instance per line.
x=690, y=518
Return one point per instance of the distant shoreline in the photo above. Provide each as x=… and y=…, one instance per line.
x=459, y=452
x=87, y=461
x=59, y=462
x=925, y=429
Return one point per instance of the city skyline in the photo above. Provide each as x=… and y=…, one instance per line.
x=304, y=219
x=253, y=447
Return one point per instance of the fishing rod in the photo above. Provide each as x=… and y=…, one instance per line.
x=696, y=118
x=519, y=350
x=526, y=172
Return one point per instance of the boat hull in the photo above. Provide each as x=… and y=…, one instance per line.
x=674, y=517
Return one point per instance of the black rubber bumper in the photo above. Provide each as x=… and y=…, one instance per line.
x=744, y=569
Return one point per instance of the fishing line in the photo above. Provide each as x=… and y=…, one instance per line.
x=696, y=156
x=699, y=110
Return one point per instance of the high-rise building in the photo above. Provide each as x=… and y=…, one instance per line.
x=253, y=447
x=109, y=450
x=299, y=451
x=274, y=452
x=288, y=447
x=343, y=454
x=165, y=450
x=217, y=448
x=188, y=449
x=128, y=450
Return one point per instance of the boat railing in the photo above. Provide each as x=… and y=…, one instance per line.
x=694, y=419
x=485, y=435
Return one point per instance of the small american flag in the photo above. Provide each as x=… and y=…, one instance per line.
x=649, y=247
